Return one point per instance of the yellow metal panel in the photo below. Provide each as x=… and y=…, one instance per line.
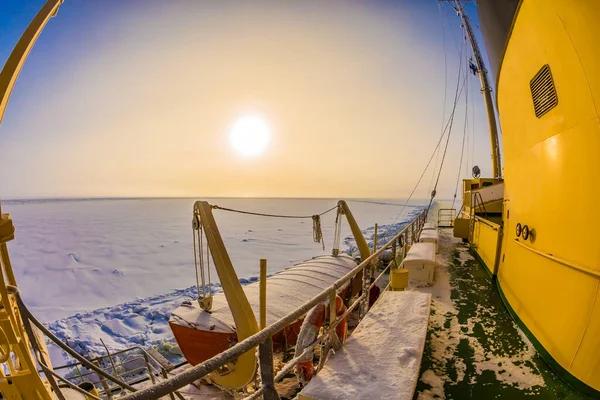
x=552, y=300
x=461, y=228
x=550, y=173
x=485, y=243
x=581, y=25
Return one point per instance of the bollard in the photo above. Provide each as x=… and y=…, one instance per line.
x=398, y=279
x=90, y=388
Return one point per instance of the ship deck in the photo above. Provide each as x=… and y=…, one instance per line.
x=474, y=349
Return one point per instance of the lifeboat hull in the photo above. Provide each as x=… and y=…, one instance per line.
x=202, y=335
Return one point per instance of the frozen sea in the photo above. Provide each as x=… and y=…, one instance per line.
x=115, y=268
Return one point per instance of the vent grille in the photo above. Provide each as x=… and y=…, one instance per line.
x=543, y=91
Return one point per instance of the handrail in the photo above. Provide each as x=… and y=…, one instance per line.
x=444, y=215
x=562, y=261
x=28, y=316
x=487, y=222
x=201, y=370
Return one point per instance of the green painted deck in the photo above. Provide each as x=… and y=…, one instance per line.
x=474, y=349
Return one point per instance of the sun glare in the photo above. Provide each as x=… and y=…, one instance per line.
x=250, y=136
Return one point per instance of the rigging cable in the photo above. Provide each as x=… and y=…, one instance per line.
x=316, y=219
x=462, y=149
x=272, y=215
x=451, y=122
x=445, y=90
x=472, y=130
x=448, y=124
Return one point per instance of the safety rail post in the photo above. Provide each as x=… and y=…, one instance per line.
x=103, y=381
x=375, y=238
x=265, y=349
x=364, y=305
x=263, y=293
x=376, y=259
x=394, y=252
x=79, y=373
x=149, y=368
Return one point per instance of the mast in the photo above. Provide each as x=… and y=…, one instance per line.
x=486, y=90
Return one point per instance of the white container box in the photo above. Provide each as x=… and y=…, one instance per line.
x=428, y=226
x=431, y=236
x=420, y=262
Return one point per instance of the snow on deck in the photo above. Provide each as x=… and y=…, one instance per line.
x=474, y=349
x=382, y=358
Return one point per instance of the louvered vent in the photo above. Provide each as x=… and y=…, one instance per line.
x=543, y=92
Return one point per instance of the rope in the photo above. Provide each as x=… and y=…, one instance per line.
x=445, y=91
x=448, y=124
x=316, y=218
x=385, y=235
x=462, y=149
x=196, y=263
x=337, y=233
x=472, y=132
x=272, y=215
x=317, y=231
x=208, y=268
x=201, y=253
x=451, y=122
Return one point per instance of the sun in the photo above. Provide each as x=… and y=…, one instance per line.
x=250, y=136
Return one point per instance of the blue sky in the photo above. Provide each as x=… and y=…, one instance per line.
x=136, y=98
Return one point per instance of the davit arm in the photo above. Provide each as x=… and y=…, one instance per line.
x=363, y=246
x=243, y=316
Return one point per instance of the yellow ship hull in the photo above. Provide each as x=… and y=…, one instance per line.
x=550, y=279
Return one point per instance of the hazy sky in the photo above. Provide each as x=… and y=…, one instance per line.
x=138, y=97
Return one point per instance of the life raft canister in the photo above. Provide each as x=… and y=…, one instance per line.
x=310, y=331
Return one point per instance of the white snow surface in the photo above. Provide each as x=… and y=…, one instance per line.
x=115, y=269
x=363, y=368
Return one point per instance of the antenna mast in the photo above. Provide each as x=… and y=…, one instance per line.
x=486, y=90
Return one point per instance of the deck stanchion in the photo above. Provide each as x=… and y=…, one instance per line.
x=367, y=272
x=263, y=293
x=376, y=259
x=394, y=253
x=104, y=383
x=375, y=238
x=265, y=350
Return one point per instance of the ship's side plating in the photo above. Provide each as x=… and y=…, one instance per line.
x=545, y=59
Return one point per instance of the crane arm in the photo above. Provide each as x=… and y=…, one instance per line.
x=243, y=316
x=363, y=246
x=17, y=58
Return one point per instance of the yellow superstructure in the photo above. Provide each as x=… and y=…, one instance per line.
x=548, y=267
